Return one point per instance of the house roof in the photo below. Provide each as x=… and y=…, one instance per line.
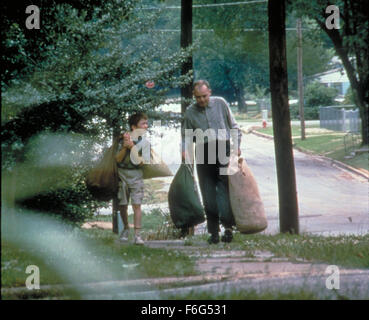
x=332, y=76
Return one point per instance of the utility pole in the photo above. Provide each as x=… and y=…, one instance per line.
x=186, y=41
x=287, y=194
x=300, y=79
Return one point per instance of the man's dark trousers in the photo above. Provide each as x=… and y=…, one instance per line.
x=214, y=189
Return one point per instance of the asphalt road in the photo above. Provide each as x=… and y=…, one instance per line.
x=331, y=200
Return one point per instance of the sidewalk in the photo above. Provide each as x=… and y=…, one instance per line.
x=228, y=271
x=223, y=271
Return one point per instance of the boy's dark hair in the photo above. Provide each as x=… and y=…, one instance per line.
x=135, y=118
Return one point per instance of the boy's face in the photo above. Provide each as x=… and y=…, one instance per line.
x=142, y=124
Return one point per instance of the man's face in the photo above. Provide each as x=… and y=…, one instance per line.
x=202, y=95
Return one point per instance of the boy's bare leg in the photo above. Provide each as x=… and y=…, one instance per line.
x=137, y=217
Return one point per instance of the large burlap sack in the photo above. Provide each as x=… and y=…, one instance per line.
x=102, y=181
x=156, y=168
x=247, y=207
x=184, y=200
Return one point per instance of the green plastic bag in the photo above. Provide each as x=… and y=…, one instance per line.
x=184, y=201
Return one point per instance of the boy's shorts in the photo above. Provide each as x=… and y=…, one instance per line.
x=131, y=186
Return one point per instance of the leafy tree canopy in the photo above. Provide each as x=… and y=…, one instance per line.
x=350, y=41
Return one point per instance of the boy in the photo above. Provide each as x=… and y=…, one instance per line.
x=131, y=176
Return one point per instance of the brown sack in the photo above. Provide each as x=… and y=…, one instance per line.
x=247, y=207
x=102, y=181
x=156, y=168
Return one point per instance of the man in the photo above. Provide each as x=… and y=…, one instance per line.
x=212, y=116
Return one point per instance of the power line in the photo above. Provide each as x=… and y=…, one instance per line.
x=208, y=5
x=245, y=30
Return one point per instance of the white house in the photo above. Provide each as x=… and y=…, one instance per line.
x=336, y=78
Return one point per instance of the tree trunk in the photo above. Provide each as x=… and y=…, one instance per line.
x=357, y=87
x=288, y=207
x=242, y=106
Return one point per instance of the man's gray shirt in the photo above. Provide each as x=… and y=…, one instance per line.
x=217, y=116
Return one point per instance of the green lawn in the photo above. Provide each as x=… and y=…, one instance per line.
x=348, y=251
x=114, y=261
x=327, y=143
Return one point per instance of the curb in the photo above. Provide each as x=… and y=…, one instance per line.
x=352, y=286
x=338, y=164
x=333, y=161
x=129, y=285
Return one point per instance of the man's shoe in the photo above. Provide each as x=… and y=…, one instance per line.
x=227, y=236
x=185, y=232
x=124, y=235
x=214, y=238
x=138, y=240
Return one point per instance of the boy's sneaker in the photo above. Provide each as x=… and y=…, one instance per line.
x=227, y=236
x=124, y=235
x=138, y=240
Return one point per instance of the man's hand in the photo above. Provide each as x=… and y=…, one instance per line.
x=239, y=152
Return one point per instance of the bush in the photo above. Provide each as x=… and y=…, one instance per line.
x=315, y=96
x=310, y=113
x=73, y=203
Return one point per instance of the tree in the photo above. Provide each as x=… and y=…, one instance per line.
x=99, y=66
x=23, y=49
x=231, y=54
x=231, y=65
x=90, y=78
x=350, y=43
x=316, y=54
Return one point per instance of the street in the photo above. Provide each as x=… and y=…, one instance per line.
x=331, y=200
